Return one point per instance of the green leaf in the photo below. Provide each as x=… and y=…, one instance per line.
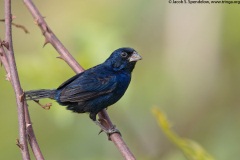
x=191, y=149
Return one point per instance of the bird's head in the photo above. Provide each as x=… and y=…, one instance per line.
x=123, y=59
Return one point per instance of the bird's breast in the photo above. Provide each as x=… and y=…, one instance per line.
x=123, y=82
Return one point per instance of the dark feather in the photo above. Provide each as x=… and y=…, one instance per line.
x=88, y=88
x=39, y=94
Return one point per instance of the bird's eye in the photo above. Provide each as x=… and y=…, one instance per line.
x=124, y=54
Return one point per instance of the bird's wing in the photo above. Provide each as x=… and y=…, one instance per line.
x=86, y=87
x=64, y=84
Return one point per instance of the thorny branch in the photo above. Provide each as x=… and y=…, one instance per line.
x=8, y=60
x=15, y=82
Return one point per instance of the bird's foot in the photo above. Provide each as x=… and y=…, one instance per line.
x=46, y=106
x=108, y=131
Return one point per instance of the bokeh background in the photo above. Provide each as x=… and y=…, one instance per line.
x=190, y=70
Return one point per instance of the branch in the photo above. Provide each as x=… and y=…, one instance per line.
x=8, y=61
x=15, y=83
x=31, y=136
x=67, y=57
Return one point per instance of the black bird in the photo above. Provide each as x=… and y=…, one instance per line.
x=96, y=88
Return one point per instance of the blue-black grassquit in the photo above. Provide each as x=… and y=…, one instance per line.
x=95, y=88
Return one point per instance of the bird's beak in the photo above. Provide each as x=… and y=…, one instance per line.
x=134, y=57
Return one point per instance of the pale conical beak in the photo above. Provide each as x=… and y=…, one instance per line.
x=134, y=57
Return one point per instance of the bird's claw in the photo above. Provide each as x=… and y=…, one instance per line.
x=110, y=131
x=113, y=129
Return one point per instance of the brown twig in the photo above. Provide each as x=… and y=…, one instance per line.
x=67, y=57
x=17, y=26
x=21, y=27
x=15, y=83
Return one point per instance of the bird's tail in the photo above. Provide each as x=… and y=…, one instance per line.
x=39, y=94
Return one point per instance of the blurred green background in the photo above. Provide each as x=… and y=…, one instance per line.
x=190, y=70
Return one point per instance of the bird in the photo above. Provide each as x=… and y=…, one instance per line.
x=96, y=88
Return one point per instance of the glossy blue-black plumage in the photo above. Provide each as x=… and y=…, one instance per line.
x=96, y=88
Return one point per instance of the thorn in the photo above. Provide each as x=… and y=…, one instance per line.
x=100, y=131
x=35, y=21
x=5, y=44
x=28, y=125
x=14, y=17
x=46, y=42
x=19, y=144
x=8, y=77
x=22, y=96
x=45, y=29
x=60, y=57
x=41, y=24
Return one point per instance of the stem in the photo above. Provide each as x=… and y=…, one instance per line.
x=15, y=83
